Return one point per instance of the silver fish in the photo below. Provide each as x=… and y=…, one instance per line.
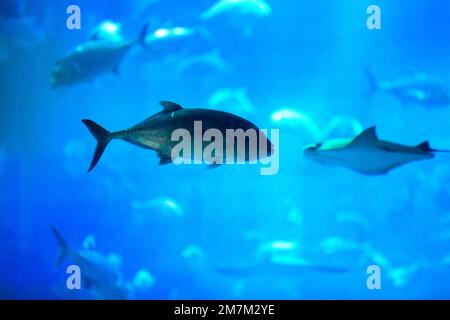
x=155, y=132
x=367, y=154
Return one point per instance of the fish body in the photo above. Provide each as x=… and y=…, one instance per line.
x=367, y=154
x=420, y=89
x=98, y=272
x=279, y=265
x=242, y=7
x=91, y=59
x=155, y=133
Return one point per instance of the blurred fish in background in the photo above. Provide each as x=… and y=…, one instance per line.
x=419, y=88
x=102, y=53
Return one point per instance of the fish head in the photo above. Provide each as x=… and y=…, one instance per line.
x=266, y=144
x=312, y=151
x=63, y=74
x=328, y=152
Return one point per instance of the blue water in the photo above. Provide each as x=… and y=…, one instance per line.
x=182, y=223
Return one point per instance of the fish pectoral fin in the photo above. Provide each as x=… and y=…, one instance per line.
x=164, y=159
x=169, y=106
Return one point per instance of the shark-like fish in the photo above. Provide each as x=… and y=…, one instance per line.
x=155, y=132
x=367, y=154
x=97, y=56
x=420, y=89
x=244, y=7
x=98, y=273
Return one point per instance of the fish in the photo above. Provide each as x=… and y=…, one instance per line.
x=237, y=98
x=210, y=62
x=164, y=205
x=419, y=89
x=243, y=7
x=107, y=30
x=99, y=55
x=99, y=273
x=279, y=265
x=155, y=132
x=367, y=154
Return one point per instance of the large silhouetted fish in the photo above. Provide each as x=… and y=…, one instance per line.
x=420, y=89
x=155, y=133
x=93, y=58
x=367, y=154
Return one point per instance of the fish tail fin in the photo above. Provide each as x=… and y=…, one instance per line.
x=102, y=136
x=425, y=146
x=372, y=82
x=143, y=35
x=63, y=247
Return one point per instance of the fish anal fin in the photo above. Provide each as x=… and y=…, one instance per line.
x=164, y=159
x=368, y=136
x=213, y=165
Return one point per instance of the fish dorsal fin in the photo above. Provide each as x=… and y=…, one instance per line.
x=89, y=243
x=169, y=106
x=424, y=146
x=368, y=136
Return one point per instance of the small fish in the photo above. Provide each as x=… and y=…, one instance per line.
x=420, y=89
x=155, y=132
x=93, y=58
x=243, y=7
x=279, y=265
x=99, y=273
x=367, y=154
x=237, y=98
x=164, y=205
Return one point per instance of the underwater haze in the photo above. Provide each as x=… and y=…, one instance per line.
x=141, y=227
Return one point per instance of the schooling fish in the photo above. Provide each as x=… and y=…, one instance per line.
x=367, y=154
x=420, y=89
x=155, y=133
x=99, y=273
x=93, y=58
x=246, y=7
